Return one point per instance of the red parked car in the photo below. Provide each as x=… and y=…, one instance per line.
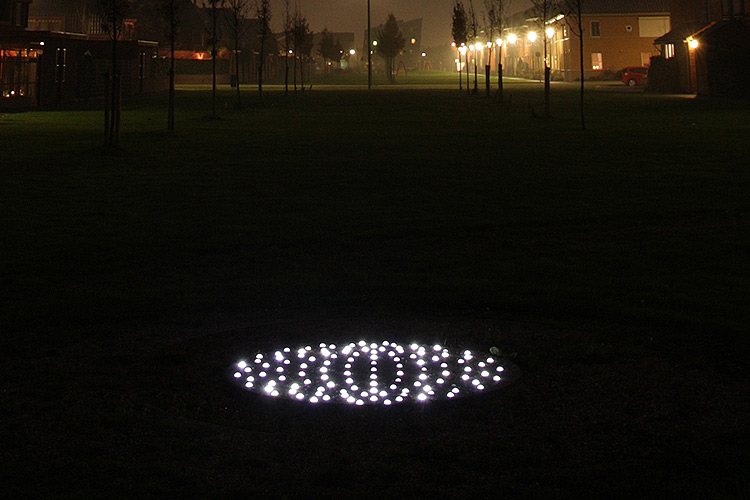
x=634, y=75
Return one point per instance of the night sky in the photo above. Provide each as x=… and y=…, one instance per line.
x=351, y=15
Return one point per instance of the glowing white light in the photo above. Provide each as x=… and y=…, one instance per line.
x=512, y=39
x=550, y=32
x=532, y=36
x=316, y=374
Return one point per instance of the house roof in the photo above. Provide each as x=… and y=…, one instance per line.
x=736, y=26
x=625, y=6
x=600, y=7
x=679, y=34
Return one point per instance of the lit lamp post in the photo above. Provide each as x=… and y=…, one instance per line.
x=463, y=51
x=499, y=55
x=532, y=38
x=512, y=39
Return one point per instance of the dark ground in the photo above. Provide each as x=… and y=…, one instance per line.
x=618, y=287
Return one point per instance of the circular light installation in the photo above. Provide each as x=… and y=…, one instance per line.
x=368, y=373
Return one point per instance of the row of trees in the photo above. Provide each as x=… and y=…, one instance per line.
x=466, y=28
x=233, y=15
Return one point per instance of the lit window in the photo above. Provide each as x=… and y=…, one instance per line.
x=596, y=61
x=596, y=30
x=669, y=51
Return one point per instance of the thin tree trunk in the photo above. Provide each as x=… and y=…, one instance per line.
x=460, y=73
x=286, y=72
x=468, y=87
x=302, y=73
x=114, y=128
x=580, y=48
x=213, y=62
x=107, y=106
x=260, y=74
x=237, y=66
x=500, y=81
x=475, y=90
x=170, y=112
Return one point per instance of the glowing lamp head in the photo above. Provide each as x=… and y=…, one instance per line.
x=489, y=45
x=499, y=42
x=512, y=39
x=374, y=43
x=352, y=52
x=692, y=43
x=532, y=36
x=550, y=33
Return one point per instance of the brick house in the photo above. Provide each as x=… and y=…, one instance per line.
x=708, y=52
x=49, y=67
x=616, y=34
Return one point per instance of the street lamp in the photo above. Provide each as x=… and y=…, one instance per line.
x=550, y=33
x=532, y=36
x=512, y=39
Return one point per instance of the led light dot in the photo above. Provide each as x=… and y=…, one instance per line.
x=328, y=373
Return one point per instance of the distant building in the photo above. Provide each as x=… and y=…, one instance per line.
x=708, y=52
x=616, y=34
x=44, y=63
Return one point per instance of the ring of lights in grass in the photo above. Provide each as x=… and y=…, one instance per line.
x=371, y=373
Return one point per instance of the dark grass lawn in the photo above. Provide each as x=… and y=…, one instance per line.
x=611, y=265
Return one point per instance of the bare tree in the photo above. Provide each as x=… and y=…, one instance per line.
x=459, y=35
x=473, y=29
x=113, y=16
x=287, y=37
x=236, y=19
x=496, y=10
x=543, y=11
x=213, y=5
x=302, y=40
x=263, y=13
x=573, y=18
x=170, y=13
